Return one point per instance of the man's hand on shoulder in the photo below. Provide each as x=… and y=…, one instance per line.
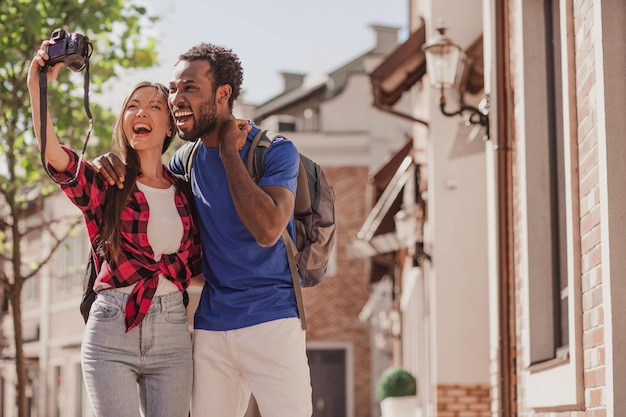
x=111, y=167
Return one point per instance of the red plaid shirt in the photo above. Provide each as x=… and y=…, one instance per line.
x=135, y=263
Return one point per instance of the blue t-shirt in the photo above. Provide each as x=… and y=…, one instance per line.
x=246, y=284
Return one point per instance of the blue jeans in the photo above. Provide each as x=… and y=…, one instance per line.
x=149, y=368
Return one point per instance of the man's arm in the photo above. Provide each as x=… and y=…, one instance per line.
x=264, y=211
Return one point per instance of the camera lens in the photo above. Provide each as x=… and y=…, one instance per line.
x=71, y=46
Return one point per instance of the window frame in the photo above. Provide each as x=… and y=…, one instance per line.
x=554, y=368
x=70, y=261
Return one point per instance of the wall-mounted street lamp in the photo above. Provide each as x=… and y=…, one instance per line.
x=444, y=59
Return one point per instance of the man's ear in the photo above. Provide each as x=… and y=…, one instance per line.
x=223, y=93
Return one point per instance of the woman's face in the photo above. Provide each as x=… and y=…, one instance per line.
x=146, y=120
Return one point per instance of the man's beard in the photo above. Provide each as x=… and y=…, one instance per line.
x=205, y=124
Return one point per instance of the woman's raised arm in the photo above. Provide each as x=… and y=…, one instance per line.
x=54, y=155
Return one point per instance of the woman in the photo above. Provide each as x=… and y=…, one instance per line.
x=136, y=351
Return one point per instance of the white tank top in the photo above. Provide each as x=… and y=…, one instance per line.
x=165, y=229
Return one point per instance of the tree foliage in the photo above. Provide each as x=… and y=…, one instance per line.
x=115, y=29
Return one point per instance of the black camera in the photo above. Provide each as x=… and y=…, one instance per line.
x=72, y=49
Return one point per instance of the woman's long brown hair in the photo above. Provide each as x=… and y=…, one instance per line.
x=117, y=199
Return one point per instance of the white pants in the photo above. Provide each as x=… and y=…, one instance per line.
x=268, y=360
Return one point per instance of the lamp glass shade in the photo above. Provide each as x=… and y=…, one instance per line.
x=442, y=61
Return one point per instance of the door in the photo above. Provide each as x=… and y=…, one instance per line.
x=328, y=379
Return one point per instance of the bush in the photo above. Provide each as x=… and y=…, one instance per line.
x=396, y=382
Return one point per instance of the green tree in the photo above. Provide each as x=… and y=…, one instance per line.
x=114, y=27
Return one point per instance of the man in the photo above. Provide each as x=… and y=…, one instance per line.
x=247, y=334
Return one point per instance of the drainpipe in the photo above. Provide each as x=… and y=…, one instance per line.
x=507, y=373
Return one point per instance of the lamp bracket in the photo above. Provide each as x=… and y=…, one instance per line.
x=473, y=115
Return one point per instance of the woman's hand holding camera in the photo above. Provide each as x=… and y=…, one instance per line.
x=38, y=64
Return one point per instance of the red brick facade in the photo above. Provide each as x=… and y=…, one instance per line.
x=463, y=401
x=590, y=237
x=333, y=307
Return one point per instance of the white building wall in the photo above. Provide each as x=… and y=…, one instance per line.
x=352, y=112
x=457, y=216
x=52, y=325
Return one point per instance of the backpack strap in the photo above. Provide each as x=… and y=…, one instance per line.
x=94, y=262
x=295, y=278
x=189, y=151
x=256, y=154
x=89, y=280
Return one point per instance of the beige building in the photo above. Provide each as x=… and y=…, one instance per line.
x=517, y=310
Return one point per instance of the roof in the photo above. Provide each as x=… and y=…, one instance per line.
x=400, y=70
x=406, y=65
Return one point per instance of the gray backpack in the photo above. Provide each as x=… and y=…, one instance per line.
x=314, y=212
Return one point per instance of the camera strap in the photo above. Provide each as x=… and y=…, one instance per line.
x=43, y=106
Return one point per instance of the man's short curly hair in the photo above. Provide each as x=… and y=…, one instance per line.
x=225, y=66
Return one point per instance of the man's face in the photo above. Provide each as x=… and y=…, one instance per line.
x=192, y=99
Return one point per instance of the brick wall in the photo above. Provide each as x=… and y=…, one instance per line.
x=334, y=305
x=592, y=303
x=590, y=239
x=463, y=401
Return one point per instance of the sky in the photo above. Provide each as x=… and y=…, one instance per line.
x=269, y=36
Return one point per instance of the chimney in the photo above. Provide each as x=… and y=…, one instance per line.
x=291, y=81
x=386, y=38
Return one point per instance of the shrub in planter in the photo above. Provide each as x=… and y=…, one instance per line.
x=396, y=382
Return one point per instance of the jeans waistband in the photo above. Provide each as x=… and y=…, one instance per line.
x=161, y=302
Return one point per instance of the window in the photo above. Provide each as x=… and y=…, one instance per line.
x=281, y=123
x=553, y=355
x=30, y=290
x=70, y=260
x=286, y=126
x=556, y=187
x=31, y=286
x=80, y=394
x=57, y=391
